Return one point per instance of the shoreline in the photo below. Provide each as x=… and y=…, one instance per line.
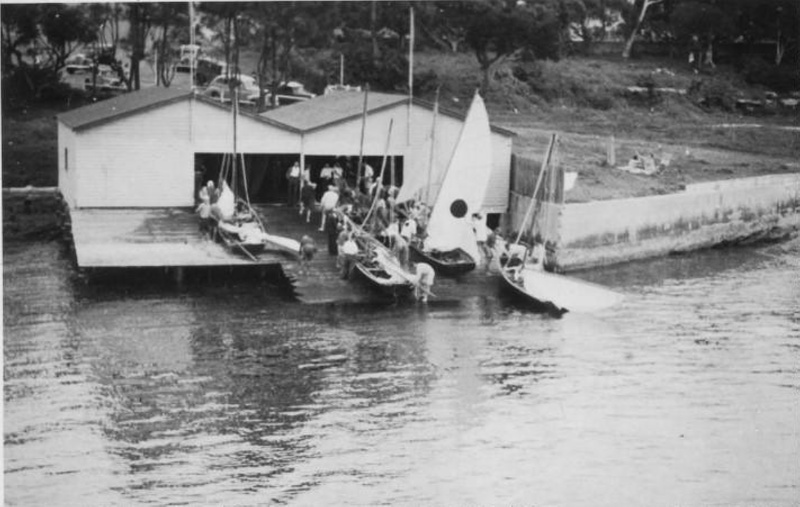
x=592, y=234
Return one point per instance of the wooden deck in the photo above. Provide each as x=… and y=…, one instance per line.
x=169, y=237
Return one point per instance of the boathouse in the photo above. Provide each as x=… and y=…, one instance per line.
x=151, y=148
x=128, y=164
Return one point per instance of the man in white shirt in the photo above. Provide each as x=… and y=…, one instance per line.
x=293, y=176
x=328, y=203
x=425, y=276
x=349, y=252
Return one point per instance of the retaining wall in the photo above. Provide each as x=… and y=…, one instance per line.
x=706, y=214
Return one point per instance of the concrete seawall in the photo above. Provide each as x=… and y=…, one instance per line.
x=705, y=214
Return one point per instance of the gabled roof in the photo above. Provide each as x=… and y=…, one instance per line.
x=121, y=105
x=327, y=110
x=321, y=112
x=244, y=112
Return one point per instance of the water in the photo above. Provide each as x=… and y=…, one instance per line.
x=140, y=394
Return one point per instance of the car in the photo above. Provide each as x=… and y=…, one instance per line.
x=291, y=92
x=107, y=82
x=219, y=88
x=78, y=64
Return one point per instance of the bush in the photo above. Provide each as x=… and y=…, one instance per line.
x=782, y=79
x=714, y=93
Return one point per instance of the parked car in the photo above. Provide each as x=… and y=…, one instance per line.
x=291, y=92
x=107, y=82
x=78, y=64
x=219, y=88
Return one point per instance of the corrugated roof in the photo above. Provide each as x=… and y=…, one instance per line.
x=334, y=108
x=327, y=110
x=122, y=105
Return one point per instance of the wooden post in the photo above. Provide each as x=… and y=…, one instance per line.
x=611, y=152
x=302, y=167
x=179, y=276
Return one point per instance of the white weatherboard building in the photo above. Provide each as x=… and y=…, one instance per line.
x=152, y=148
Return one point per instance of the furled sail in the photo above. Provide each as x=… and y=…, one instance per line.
x=226, y=203
x=464, y=185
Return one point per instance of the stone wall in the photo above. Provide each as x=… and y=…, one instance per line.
x=706, y=214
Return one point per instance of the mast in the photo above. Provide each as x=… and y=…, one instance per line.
x=193, y=60
x=383, y=169
x=361, y=146
x=545, y=164
x=410, y=71
x=433, y=145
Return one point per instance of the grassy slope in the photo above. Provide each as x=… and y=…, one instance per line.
x=578, y=97
x=584, y=100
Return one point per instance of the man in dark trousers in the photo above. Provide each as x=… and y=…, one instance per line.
x=332, y=230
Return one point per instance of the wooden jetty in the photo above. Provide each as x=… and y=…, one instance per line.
x=144, y=237
x=170, y=238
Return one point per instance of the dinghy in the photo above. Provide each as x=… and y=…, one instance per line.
x=525, y=275
x=235, y=223
x=450, y=246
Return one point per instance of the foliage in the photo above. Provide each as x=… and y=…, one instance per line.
x=756, y=71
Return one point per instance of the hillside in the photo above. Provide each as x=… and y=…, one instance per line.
x=586, y=100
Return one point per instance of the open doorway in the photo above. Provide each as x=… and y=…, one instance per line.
x=265, y=173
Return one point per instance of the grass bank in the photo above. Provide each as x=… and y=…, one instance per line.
x=586, y=100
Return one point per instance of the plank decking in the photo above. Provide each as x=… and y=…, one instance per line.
x=169, y=237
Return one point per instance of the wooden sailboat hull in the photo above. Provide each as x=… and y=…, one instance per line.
x=559, y=293
x=381, y=281
x=451, y=263
x=282, y=244
x=238, y=247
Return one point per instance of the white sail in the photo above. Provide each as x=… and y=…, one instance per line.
x=226, y=201
x=464, y=185
x=415, y=181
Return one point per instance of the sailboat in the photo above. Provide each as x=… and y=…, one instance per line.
x=450, y=246
x=379, y=266
x=525, y=275
x=238, y=225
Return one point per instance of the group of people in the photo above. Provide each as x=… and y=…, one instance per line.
x=372, y=206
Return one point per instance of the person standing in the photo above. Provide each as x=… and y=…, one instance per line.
x=425, y=276
x=308, y=198
x=328, y=204
x=307, y=250
x=293, y=177
x=479, y=227
x=350, y=252
x=332, y=232
x=325, y=178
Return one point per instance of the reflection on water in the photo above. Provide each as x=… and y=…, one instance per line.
x=686, y=394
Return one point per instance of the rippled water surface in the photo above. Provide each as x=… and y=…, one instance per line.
x=142, y=394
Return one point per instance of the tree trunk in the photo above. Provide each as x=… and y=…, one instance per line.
x=376, y=55
x=626, y=53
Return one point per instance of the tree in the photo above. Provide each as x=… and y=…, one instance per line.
x=497, y=30
x=703, y=21
x=170, y=20
x=646, y=4
x=443, y=30
x=20, y=27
